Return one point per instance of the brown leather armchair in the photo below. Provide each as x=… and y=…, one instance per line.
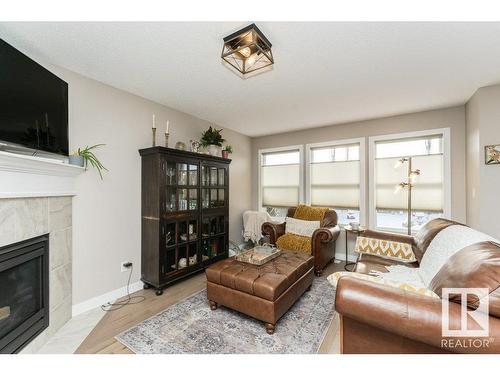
x=377, y=318
x=322, y=241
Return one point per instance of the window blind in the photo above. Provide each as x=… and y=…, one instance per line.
x=427, y=190
x=335, y=176
x=280, y=179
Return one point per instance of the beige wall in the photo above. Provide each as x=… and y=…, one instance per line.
x=107, y=214
x=483, y=181
x=453, y=118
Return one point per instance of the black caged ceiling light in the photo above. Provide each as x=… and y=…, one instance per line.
x=247, y=50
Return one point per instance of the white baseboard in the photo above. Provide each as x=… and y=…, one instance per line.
x=92, y=303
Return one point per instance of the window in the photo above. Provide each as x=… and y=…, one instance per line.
x=280, y=179
x=334, y=178
x=394, y=159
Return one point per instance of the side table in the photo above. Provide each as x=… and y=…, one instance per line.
x=349, y=229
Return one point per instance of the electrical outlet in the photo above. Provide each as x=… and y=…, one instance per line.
x=123, y=266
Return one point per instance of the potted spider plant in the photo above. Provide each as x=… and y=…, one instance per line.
x=83, y=156
x=226, y=151
x=212, y=140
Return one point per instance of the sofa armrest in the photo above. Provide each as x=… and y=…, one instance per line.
x=273, y=230
x=388, y=236
x=404, y=313
x=325, y=235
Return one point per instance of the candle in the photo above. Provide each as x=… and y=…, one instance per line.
x=154, y=121
x=168, y=124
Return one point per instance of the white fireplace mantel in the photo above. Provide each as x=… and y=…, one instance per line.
x=32, y=164
x=31, y=176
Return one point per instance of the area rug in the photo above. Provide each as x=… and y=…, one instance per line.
x=191, y=327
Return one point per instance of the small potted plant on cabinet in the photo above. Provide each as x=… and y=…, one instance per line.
x=82, y=157
x=212, y=140
x=226, y=151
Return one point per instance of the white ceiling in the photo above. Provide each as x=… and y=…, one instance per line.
x=324, y=73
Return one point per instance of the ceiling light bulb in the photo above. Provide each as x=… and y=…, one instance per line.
x=245, y=51
x=251, y=59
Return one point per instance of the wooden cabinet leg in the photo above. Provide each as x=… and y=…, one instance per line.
x=270, y=328
x=308, y=288
x=213, y=305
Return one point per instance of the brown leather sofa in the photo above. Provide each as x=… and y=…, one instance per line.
x=322, y=240
x=377, y=318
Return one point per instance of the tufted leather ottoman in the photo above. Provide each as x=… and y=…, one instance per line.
x=264, y=292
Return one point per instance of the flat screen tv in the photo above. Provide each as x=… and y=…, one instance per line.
x=33, y=104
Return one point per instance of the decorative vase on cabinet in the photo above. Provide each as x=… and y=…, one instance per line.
x=213, y=150
x=185, y=214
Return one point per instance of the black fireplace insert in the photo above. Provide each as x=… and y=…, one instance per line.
x=24, y=292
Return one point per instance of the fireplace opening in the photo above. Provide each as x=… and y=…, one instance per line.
x=24, y=292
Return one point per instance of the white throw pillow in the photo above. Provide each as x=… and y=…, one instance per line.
x=301, y=227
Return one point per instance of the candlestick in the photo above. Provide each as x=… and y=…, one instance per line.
x=166, y=138
x=154, y=136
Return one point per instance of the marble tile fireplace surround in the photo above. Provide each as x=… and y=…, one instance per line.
x=27, y=217
x=36, y=198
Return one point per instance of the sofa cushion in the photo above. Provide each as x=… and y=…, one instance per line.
x=476, y=266
x=426, y=234
x=294, y=242
x=268, y=281
x=301, y=227
x=304, y=212
x=445, y=244
x=393, y=250
x=335, y=277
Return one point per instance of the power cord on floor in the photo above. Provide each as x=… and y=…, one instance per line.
x=130, y=300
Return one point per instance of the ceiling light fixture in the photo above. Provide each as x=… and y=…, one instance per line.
x=247, y=50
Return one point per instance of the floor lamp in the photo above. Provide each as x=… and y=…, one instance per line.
x=410, y=180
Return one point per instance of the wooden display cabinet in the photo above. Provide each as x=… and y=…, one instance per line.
x=185, y=214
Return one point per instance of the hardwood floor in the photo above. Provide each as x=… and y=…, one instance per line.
x=101, y=339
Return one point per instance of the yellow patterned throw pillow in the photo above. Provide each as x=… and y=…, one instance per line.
x=399, y=251
x=335, y=277
x=294, y=242
x=304, y=212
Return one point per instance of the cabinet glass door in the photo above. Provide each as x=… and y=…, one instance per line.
x=170, y=173
x=193, y=175
x=182, y=174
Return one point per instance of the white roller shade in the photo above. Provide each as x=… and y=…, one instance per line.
x=427, y=192
x=386, y=179
x=280, y=185
x=335, y=184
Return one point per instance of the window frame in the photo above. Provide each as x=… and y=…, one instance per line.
x=362, y=165
x=260, y=152
x=445, y=133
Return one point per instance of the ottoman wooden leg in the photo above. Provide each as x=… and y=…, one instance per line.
x=270, y=328
x=213, y=305
x=308, y=288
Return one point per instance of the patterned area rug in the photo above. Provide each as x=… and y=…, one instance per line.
x=191, y=327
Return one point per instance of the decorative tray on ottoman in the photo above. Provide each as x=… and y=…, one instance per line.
x=258, y=255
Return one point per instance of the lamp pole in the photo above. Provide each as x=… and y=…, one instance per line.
x=409, y=194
